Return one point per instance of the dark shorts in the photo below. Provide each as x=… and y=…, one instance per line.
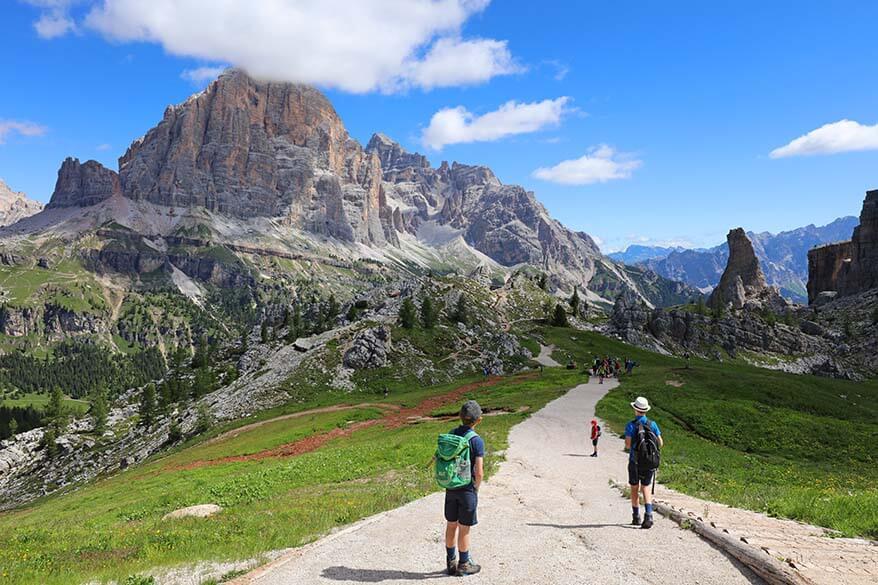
x=635, y=476
x=594, y=442
x=460, y=506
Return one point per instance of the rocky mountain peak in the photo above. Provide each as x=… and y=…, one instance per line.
x=83, y=184
x=394, y=158
x=743, y=279
x=249, y=148
x=15, y=205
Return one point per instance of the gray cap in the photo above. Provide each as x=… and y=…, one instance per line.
x=470, y=411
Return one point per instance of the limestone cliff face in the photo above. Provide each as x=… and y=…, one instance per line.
x=848, y=268
x=505, y=222
x=15, y=206
x=743, y=279
x=825, y=263
x=82, y=185
x=862, y=272
x=251, y=149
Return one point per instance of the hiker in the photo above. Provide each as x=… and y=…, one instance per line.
x=459, y=462
x=643, y=441
x=595, y=435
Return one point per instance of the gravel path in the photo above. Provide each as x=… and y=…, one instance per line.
x=545, y=357
x=549, y=516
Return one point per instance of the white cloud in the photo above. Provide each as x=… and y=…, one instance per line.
x=459, y=125
x=601, y=164
x=356, y=46
x=202, y=75
x=103, y=147
x=23, y=128
x=841, y=136
x=55, y=20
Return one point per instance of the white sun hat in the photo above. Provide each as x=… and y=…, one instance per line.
x=641, y=404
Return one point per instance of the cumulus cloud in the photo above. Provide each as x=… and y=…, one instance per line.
x=459, y=125
x=601, y=164
x=202, y=75
x=841, y=136
x=54, y=20
x=359, y=46
x=9, y=127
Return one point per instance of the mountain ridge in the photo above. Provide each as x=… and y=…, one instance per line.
x=272, y=164
x=784, y=257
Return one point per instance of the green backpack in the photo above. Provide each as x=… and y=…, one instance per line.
x=453, y=462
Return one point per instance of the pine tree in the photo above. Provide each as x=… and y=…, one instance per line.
x=200, y=359
x=574, y=302
x=147, y=406
x=48, y=441
x=407, y=314
x=245, y=340
x=428, y=313
x=13, y=427
x=559, y=319
x=263, y=331
x=875, y=316
x=332, y=310
x=204, y=419
x=55, y=411
x=98, y=410
x=175, y=433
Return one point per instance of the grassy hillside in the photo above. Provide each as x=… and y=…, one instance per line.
x=791, y=446
x=371, y=461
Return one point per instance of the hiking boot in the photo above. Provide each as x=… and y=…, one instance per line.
x=467, y=568
x=647, y=521
x=635, y=519
x=593, y=455
x=451, y=566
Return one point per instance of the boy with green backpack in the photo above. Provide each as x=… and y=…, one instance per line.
x=459, y=469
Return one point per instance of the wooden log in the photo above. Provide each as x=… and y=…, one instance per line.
x=772, y=570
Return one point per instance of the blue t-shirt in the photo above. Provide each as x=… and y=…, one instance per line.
x=476, y=449
x=631, y=430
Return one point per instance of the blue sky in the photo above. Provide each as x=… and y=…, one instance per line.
x=690, y=99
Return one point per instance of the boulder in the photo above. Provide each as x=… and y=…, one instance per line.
x=369, y=349
x=199, y=511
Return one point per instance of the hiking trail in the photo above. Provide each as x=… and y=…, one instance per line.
x=548, y=516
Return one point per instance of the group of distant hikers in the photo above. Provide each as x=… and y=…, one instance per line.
x=607, y=367
x=459, y=462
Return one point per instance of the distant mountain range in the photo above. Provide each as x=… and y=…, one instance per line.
x=784, y=257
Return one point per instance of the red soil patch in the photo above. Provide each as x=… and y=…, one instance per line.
x=391, y=420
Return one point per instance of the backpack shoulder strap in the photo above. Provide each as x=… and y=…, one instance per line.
x=470, y=434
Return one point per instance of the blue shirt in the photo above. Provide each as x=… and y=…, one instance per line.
x=476, y=449
x=631, y=430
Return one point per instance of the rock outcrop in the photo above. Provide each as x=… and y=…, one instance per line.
x=369, y=349
x=83, y=185
x=848, y=268
x=15, y=205
x=743, y=280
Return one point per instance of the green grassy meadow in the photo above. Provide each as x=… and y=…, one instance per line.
x=39, y=401
x=113, y=528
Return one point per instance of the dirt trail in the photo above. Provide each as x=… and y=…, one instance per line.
x=549, y=516
x=545, y=357
x=393, y=418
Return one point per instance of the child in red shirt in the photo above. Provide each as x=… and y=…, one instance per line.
x=595, y=435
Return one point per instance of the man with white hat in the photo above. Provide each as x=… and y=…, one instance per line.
x=643, y=441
